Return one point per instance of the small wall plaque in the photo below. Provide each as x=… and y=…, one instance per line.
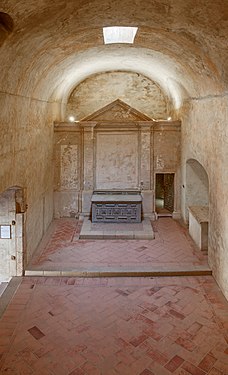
x=5, y=231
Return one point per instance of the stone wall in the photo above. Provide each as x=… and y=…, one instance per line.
x=167, y=158
x=167, y=148
x=197, y=186
x=204, y=138
x=11, y=243
x=7, y=246
x=112, y=157
x=132, y=88
x=26, y=160
x=67, y=173
x=117, y=161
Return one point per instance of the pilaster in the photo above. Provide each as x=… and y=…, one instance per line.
x=88, y=164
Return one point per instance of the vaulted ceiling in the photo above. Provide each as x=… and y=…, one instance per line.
x=54, y=45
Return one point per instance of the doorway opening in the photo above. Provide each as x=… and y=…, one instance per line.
x=12, y=242
x=164, y=194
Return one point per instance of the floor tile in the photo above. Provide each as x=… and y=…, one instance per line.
x=171, y=250
x=115, y=326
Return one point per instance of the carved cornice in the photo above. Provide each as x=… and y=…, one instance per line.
x=166, y=125
x=152, y=125
x=67, y=127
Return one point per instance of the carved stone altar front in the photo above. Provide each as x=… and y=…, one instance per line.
x=116, y=207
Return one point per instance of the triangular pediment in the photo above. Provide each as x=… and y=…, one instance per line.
x=117, y=111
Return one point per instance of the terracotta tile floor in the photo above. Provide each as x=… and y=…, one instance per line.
x=3, y=286
x=172, y=248
x=125, y=326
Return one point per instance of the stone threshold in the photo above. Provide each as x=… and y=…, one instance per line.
x=120, y=273
x=165, y=214
x=14, y=283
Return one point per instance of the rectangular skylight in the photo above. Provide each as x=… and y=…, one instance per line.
x=119, y=34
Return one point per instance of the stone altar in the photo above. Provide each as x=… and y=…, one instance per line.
x=116, y=148
x=116, y=207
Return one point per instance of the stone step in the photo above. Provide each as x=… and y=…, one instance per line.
x=203, y=271
x=120, y=231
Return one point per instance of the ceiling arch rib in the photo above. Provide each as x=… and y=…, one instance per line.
x=67, y=52
x=52, y=75
x=62, y=76
x=174, y=27
x=163, y=59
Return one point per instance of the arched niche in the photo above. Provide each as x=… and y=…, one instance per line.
x=197, y=202
x=133, y=88
x=197, y=185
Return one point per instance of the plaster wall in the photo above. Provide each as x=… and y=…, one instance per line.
x=67, y=173
x=167, y=148
x=26, y=149
x=11, y=249
x=133, y=88
x=197, y=187
x=198, y=225
x=195, y=230
x=205, y=138
x=115, y=159
x=167, y=159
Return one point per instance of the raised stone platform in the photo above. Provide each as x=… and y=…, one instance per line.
x=171, y=253
x=130, y=231
x=116, y=208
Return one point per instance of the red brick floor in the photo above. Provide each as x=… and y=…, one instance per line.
x=172, y=247
x=125, y=326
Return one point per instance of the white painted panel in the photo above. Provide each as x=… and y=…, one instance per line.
x=5, y=231
x=117, y=161
x=69, y=166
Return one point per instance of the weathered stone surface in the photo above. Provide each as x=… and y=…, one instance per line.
x=166, y=149
x=117, y=161
x=198, y=225
x=69, y=167
x=181, y=46
x=118, y=151
x=132, y=88
x=205, y=139
x=11, y=245
x=26, y=160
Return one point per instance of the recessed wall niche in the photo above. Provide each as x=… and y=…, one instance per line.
x=132, y=88
x=117, y=148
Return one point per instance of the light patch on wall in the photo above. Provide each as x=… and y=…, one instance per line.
x=119, y=34
x=71, y=118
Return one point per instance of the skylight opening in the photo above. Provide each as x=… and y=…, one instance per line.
x=119, y=34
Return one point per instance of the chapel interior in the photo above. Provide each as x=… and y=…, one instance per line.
x=89, y=118
x=157, y=107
